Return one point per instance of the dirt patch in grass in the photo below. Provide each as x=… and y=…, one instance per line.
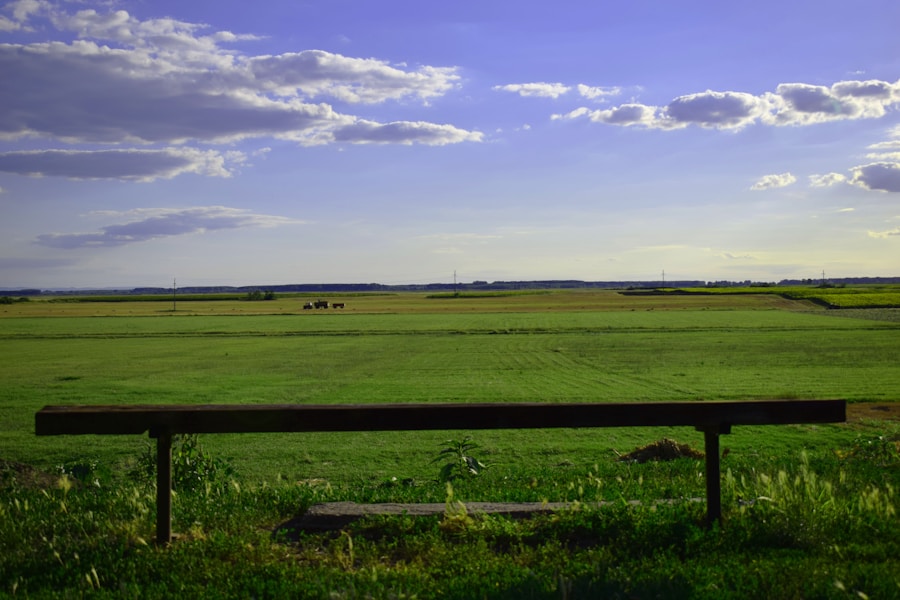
x=15, y=473
x=664, y=449
x=866, y=411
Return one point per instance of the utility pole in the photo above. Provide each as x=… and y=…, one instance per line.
x=664, y=278
x=455, y=291
x=173, y=294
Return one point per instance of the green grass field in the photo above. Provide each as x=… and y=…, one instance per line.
x=558, y=346
x=672, y=352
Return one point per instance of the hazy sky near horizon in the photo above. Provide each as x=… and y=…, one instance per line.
x=286, y=141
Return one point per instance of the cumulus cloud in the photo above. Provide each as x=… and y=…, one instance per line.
x=790, y=104
x=625, y=114
x=149, y=224
x=537, y=90
x=883, y=176
x=769, y=182
x=124, y=80
x=597, y=93
x=722, y=110
x=826, y=180
x=355, y=80
x=803, y=104
x=130, y=164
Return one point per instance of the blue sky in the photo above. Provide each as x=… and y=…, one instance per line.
x=275, y=142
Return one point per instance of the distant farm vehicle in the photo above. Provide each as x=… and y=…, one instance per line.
x=337, y=305
x=321, y=304
x=308, y=306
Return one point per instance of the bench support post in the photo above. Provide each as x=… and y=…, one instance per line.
x=163, y=485
x=713, y=472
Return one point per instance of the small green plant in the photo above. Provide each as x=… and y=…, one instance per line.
x=458, y=461
x=192, y=467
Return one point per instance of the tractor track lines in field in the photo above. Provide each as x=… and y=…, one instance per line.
x=605, y=330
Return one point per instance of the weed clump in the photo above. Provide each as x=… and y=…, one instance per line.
x=193, y=468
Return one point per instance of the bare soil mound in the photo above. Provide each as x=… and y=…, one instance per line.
x=664, y=449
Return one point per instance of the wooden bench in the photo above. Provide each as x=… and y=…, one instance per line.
x=164, y=421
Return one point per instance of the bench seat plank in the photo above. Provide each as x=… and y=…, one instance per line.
x=262, y=418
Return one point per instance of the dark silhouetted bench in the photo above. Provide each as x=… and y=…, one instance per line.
x=164, y=421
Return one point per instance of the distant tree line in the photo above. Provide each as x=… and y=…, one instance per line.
x=258, y=294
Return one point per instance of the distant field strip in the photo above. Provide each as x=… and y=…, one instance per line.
x=835, y=297
x=370, y=324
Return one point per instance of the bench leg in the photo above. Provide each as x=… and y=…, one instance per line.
x=713, y=478
x=713, y=472
x=163, y=486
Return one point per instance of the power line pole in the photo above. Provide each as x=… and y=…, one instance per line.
x=173, y=295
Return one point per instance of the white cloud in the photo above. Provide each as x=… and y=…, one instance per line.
x=721, y=110
x=129, y=165
x=885, y=234
x=23, y=9
x=625, y=114
x=888, y=150
x=731, y=256
x=881, y=175
x=598, y=93
x=7, y=24
x=889, y=145
x=403, y=132
x=769, y=182
x=803, y=104
x=148, y=224
x=316, y=73
x=790, y=104
x=535, y=90
x=167, y=81
x=826, y=180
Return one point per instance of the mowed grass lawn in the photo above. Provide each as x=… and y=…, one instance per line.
x=550, y=347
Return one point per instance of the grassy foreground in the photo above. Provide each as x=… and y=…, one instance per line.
x=810, y=512
x=825, y=527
